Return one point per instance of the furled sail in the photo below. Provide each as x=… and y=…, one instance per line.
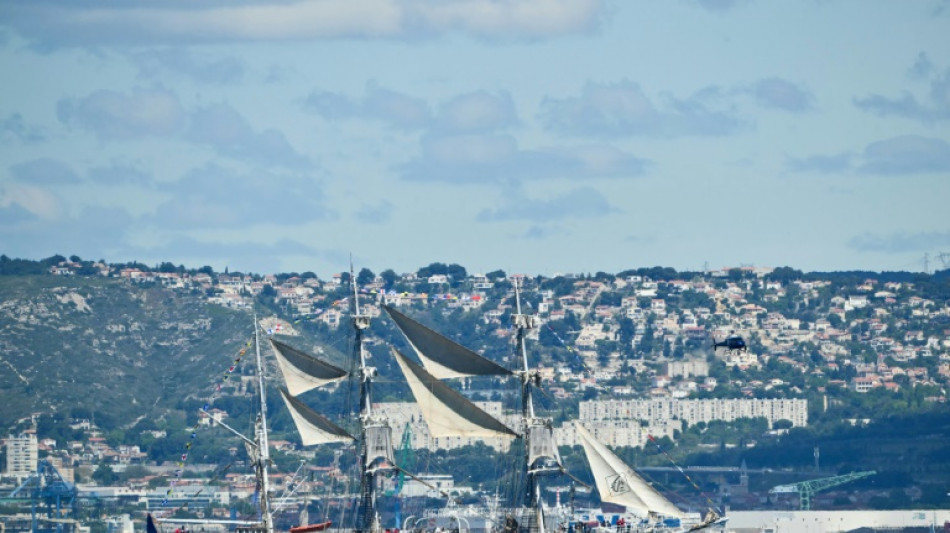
x=379, y=442
x=313, y=427
x=618, y=483
x=446, y=412
x=542, y=443
x=442, y=357
x=302, y=371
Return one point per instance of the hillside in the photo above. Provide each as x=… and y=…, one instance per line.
x=121, y=343
x=106, y=347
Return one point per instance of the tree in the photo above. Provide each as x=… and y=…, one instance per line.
x=496, y=275
x=432, y=269
x=784, y=275
x=560, y=285
x=456, y=272
x=835, y=321
x=104, y=475
x=268, y=291
x=365, y=277
x=782, y=424
x=389, y=278
x=54, y=260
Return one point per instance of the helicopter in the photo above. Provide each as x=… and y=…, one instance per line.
x=733, y=342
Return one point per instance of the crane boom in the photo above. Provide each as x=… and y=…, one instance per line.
x=807, y=489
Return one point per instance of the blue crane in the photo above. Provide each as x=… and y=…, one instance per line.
x=47, y=487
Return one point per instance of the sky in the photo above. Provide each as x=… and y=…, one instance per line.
x=533, y=136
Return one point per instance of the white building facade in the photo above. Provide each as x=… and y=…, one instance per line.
x=22, y=455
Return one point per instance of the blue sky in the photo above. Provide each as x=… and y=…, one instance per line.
x=534, y=136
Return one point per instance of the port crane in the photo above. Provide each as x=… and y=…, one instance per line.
x=807, y=489
x=47, y=489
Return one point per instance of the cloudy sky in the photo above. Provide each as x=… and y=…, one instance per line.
x=535, y=136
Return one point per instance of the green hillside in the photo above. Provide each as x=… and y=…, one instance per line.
x=106, y=347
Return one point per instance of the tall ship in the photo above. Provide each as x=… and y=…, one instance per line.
x=374, y=436
x=616, y=482
x=302, y=372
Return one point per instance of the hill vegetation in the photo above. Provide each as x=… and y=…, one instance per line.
x=101, y=348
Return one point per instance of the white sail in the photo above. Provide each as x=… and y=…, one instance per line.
x=313, y=427
x=446, y=412
x=302, y=371
x=618, y=483
x=542, y=444
x=379, y=441
x=441, y=356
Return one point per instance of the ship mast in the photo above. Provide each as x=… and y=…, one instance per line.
x=540, y=450
x=262, y=444
x=523, y=323
x=375, y=433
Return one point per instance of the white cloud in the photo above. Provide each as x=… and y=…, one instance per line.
x=157, y=64
x=782, y=94
x=922, y=67
x=116, y=116
x=622, y=109
x=145, y=113
x=898, y=156
x=540, y=233
x=399, y=110
x=930, y=108
x=50, y=23
x=498, y=159
x=119, y=173
x=474, y=112
x=477, y=112
x=223, y=128
x=218, y=197
x=718, y=5
x=37, y=200
x=44, y=171
x=15, y=127
x=907, y=154
x=584, y=202
x=378, y=213
x=14, y=214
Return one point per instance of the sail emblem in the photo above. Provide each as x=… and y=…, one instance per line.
x=617, y=484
